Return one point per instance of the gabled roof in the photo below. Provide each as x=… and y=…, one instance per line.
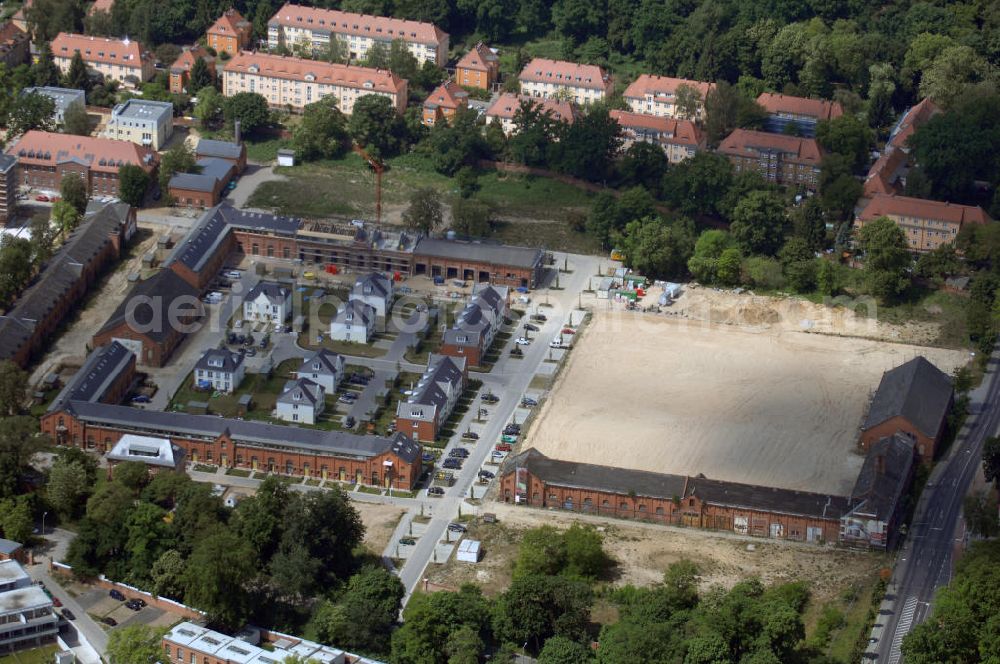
x=561, y=72
x=201, y=241
x=883, y=477
x=118, y=52
x=274, y=292
x=479, y=58
x=301, y=390
x=152, y=300
x=447, y=95
x=322, y=361
x=218, y=359
x=820, y=109
x=914, y=118
x=331, y=20
x=256, y=221
x=663, y=87
x=882, y=205
x=10, y=35
x=917, y=391
x=885, y=173
x=92, y=382
x=189, y=55
x=362, y=313
x=747, y=143
x=671, y=130
x=375, y=283
x=105, y=155
x=506, y=105
x=192, y=182
x=221, y=149
x=231, y=23
x=497, y=254
x=443, y=376
x=325, y=73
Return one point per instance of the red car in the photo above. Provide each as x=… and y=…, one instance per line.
x=55, y=602
x=42, y=198
x=503, y=447
x=567, y=330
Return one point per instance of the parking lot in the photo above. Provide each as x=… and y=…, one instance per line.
x=103, y=608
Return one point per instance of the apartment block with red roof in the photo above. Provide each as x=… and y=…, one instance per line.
x=20, y=17
x=914, y=118
x=797, y=114
x=101, y=6
x=927, y=224
x=312, y=28
x=657, y=95
x=230, y=33
x=180, y=70
x=444, y=102
x=288, y=82
x=505, y=106
x=14, y=45
x=43, y=158
x=557, y=79
x=788, y=160
x=679, y=139
x=479, y=68
x=122, y=60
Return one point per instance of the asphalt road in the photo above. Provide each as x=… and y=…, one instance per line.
x=924, y=563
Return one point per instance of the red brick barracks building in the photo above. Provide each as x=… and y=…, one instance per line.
x=86, y=415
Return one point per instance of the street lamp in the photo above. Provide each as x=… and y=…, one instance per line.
x=44, y=514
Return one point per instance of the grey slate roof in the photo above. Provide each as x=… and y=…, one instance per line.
x=769, y=499
x=222, y=149
x=215, y=167
x=374, y=283
x=917, y=391
x=883, y=477
x=442, y=371
x=8, y=547
x=326, y=359
x=257, y=221
x=201, y=242
x=524, y=257
x=151, y=300
x=363, y=313
x=166, y=424
x=485, y=306
x=7, y=161
x=98, y=373
x=217, y=359
x=193, y=182
x=304, y=389
x=274, y=292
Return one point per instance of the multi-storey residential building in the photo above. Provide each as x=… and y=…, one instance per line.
x=505, y=107
x=799, y=113
x=27, y=619
x=783, y=159
x=444, y=102
x=8, y=187
x=477, y=325
x=679, y=139
x=43, y=158
x=124, y=60
x=547, y=79
x=375, y=290
x=180, y=70
x=657, y=95
x=220, y=370
x=433, y=399
x=325, y=368
x=911, y=120
x=311, y=29
x=302, y=402
x=268, y=301
x=479, y=68
x=63, y=98
x=927, y=224
x=293, y=83
x=230, y=33
x=14, y=45
x=148, y=123
x=354, y=321
x=878, y=501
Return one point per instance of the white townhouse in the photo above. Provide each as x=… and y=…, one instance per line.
x=268, y=301
x=375, y=290
x=355, y=321
x=547, y=79
x=302, y=402
x=220, y=370
x=325, y=368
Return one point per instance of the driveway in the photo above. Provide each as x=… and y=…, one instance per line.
x=253, y=177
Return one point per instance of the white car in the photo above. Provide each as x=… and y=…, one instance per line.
x=555, y=343
x=238, y=325
x=498, y=455
x=522, y=341
x=232, y=274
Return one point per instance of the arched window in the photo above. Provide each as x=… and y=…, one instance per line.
x=659, y=511
x=642, y=508
x=623, y=506
x=605, y=504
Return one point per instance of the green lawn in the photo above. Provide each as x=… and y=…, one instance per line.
x=265, y=393
x=342, y=347
x=42, y=655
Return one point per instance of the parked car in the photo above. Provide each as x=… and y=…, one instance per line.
x=555, y=343
x=486, y=474
x=116, y=594
x=435, y=491
x=498, y=455
x=56, y=602
x=68, y=615
x=109, y=621
x=530, y=327
x=528, y=402
x=42, y=198
x=509, y=439
x=135, y=604
x=489, y=397
x=427, y=457
x=470, y=435
x=568, y=330
x=407, y=541
x=512, y=430
x=350, y=422
x=459, y=452
x=347, y=399
x=405, y=289
x=141, y=398
x=522, y=341
x=452, y=463
x=232, y=274
x=456, y=528
x=540, y=318
x=251, y=352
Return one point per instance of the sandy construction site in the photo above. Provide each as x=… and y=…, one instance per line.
x=762, y=405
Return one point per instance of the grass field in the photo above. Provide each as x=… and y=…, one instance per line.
x=43, y=655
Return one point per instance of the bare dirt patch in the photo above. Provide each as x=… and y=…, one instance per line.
x=380, y=521
x=759, y=403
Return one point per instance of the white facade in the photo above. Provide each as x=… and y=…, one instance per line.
x=149, y=123
x=27, y=619
x=301, y=403
x=375, y=290
x=355, y=321
x=325, y=368
x=220, y=370
x=268, y=302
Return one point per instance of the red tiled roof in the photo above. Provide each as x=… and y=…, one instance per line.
x=882, y=175
x=683, y=132
x=799, y=150
x=477, y=58
x=658, y=86
x=125, y=52
x=507, y=104
x=821, y=109
x=187, y=58
x=542, y=70
x=101, y=6
x=882, y=205
x=43, y=148
x=297, y=69
x=913, y=119
x=349, y=23
x=10, y=34
x=231, y=23
x=447, y=95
